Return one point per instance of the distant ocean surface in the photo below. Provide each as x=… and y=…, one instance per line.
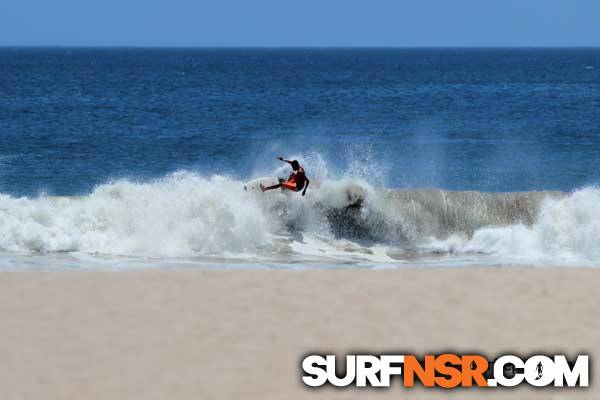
x=126, y=158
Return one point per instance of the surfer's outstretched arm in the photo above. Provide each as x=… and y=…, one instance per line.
x=284, y=160
x=305, y=186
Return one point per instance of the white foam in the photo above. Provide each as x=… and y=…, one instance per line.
x=567, y=230
x=183, y=214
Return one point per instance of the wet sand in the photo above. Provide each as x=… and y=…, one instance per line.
x=242, y=334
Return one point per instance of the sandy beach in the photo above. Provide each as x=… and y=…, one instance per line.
x=241, y=334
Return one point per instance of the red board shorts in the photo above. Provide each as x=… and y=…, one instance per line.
x=290, y=184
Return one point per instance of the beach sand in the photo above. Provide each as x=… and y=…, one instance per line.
x=241, y=334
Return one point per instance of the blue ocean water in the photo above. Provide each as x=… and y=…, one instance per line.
x=138, y=157
x=462, y=119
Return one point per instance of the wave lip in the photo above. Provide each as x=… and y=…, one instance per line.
x=409, y=217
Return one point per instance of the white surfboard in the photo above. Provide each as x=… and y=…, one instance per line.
x=254, y=185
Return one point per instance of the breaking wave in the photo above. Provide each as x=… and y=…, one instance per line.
x=189, y=215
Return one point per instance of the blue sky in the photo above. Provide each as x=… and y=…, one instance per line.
x=300, y=22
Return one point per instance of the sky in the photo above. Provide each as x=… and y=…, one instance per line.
x=394, y=23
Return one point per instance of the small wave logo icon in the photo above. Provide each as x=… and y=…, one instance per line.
x=539, y=369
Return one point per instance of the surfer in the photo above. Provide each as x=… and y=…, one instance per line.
x=295, y=182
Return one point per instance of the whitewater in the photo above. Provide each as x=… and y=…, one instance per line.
x=186, y=219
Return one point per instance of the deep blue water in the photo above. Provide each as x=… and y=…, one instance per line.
x=477, y=119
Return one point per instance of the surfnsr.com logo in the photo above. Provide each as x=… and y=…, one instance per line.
x=445, y=370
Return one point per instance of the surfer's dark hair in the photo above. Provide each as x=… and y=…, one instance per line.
x=295, y=165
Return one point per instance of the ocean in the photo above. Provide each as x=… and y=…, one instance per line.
x=119, y=158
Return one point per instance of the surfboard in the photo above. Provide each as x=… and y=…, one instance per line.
x=254, y=185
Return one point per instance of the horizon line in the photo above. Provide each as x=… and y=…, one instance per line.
x=215, y=47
